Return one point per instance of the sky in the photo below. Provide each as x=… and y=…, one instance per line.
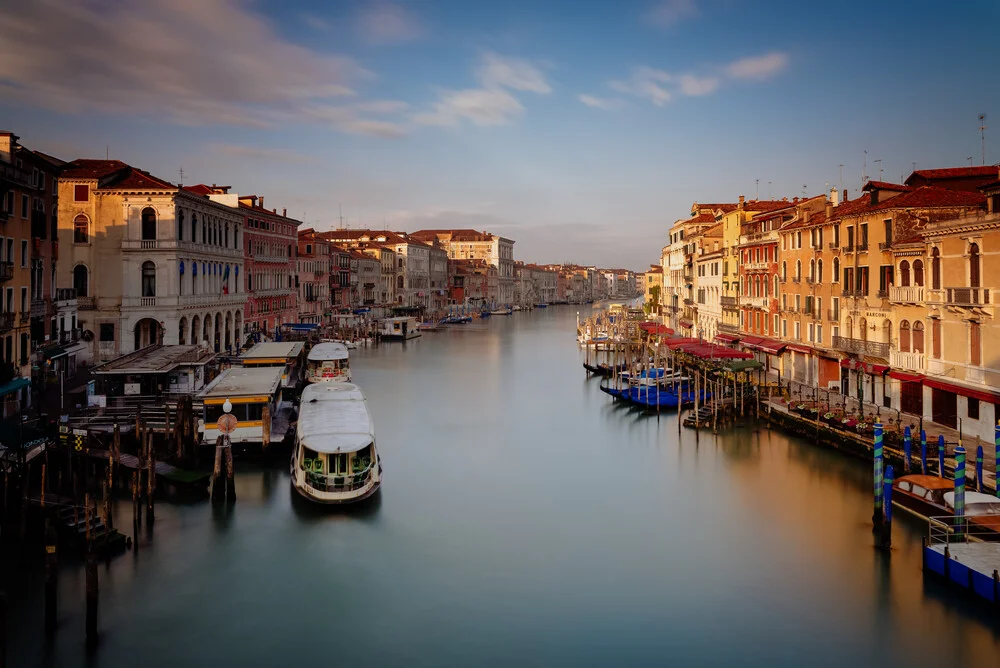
x=582, y=130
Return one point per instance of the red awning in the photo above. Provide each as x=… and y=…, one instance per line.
x=711, y=351
x=799, y=348
x=751, y=341
x=982, y=395
x=686, y=323
x=857, y=365
x=680, y=341
x=906, y=377
x=772, y=346
x=727, y=338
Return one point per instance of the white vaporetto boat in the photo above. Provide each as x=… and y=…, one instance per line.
x=335, y=460
x=328, y=362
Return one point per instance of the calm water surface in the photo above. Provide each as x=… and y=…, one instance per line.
x=524, y=520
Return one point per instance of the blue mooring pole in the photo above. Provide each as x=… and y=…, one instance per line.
x=907, y=449
x=877, y=516
x=959, y=488
x=979, y=469
x=890, y=477
x=941, y=451
x=996, y=457
x=923, y=450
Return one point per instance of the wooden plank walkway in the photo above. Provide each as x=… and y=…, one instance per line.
x=163, y=469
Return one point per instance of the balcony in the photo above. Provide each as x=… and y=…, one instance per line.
x=688, y=301
x=180, y=245
x=757, y=302
x=863, y=247
x=834, y=245
x=833, y=315
x=796, y=279
x=756, y=266
x=885, y=246
x=6, y=321
x=6, y=271
x=727, y=301
x=24, y=316
x=861, y=346
x=86, y=303
x=849, y=248
x=728, y=327
x=967, y=297
x=810, y=280
x=791, y=309
x=310, y=298
x=882, y=294
x=907, y=361
x=908, y=294
x=855, y=294
x=65, y=294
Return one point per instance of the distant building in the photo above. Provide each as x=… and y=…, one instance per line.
x=314, y=278
x=467, y=244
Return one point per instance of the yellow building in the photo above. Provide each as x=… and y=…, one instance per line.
x=654, y=289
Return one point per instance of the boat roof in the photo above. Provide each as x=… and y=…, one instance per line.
x=328, y=351
x=971, y=498
x=156, y=359
x=241, y=381
x=274, y=349
x=927, y=481
x=334, y=417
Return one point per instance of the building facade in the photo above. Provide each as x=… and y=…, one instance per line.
x=313, y=279
x=467, y=244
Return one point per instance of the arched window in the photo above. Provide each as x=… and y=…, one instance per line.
x=775, y=287
x=974, y=266
x=81, y=280
x=194, y=227
x=784, y=270
x=918, y=273
x=849, y=326
x=81, y=229
x=227, y=235
x=399, y=282
x=798, y=270
x=836, y=270
x=180, y=225
x=904, y=336
x=148, y=224
x=904, y=275
x=766, y=285
x=148, y=279
x=887, y=331
x=936, y=269
x=812, y=270
x=918, y=337
x=819, y=271
x=863, y=329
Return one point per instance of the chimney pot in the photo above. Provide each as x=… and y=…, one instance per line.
x=829, y=209
x=260, y=201
x=846, y=198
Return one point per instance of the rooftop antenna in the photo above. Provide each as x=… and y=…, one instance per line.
x=879, y=161
x=769, y=190
x=107, y=152
x=864, y=169
x=970, y=160
x=341, y=209
x=180, y=173
x=841, y=165
x=757, y=191
x=982, y=135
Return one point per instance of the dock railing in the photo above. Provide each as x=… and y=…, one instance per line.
x=949, y=529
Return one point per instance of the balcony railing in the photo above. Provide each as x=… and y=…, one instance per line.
x=833, y=245
x=6, y=321
x=882, y=294
x=810, y=279
x=86, y=303
x=39, y=307
x=310, y=298
x=757, y=302
x=6, y=271
x=849, y=248
x=907, y=294
x=863, y=247
x=907, y=361
x=728, y=327
x=65, y=294
x=755, y=266
x=962, y=296
x=727, y=301
x=861, y=346
x=849, y=292
x=796, y=279
x=885, y=245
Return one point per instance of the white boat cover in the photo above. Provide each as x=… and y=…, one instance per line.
x=334, y=417
x=328, y=351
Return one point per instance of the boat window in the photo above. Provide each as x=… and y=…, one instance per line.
x=980, y=509
x=338, y=463
x=312, y=460
x=905, y=485
x=918, y=490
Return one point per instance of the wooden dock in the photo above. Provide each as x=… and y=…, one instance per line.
x=168, y=472
x=971, y=566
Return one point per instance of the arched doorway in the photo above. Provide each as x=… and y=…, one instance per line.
x=206, y=333
x=182, y=332
x=238, y=326
x=147, y=332
x=195, y=331
x=218, y=333
x=229, y=327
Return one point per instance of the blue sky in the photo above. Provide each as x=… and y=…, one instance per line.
x=580, y=129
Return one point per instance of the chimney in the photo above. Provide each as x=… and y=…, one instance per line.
x=260, y=201
x=846, y=198
x=741, y=201
x=8, y=144
x=805, y=216
x=834, y=197
x=284, y=212
x=829, y=210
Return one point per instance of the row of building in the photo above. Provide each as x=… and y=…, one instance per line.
x=99, y=258
x=887, y=297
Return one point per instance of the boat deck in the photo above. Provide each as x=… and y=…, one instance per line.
x=973, y=566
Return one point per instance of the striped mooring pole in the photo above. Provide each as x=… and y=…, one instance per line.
x=941, y=451
x=890, y=477
x=877, y=515
x=959, y=488
x=979, y=469
x=923, y=450
x=996, y=457
x=907, y=449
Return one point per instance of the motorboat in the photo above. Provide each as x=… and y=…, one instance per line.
x=328, y=362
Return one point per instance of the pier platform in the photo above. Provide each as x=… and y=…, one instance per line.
x=965, y=555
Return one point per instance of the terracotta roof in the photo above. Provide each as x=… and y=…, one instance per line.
x=725, y=206
x=816, y=218
x=200, y=189
x=92, y=169
x=713, y=231
x=955, y=172
x=990, y=186
x=452, y=235
x=765, y=205
x=885, y=185
x=924, y=197
x=362, y=235
x=700, y=218
x=114, y=174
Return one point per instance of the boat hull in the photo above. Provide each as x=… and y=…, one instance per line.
x=343, y=499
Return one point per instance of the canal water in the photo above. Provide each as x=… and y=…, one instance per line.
x=524, y=520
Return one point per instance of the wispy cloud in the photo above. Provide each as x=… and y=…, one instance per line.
x=492, y=103
x=388, y=23
x=259, y=153
x=758, y=67
x=606, y=103
x=666, y=13
x=317, y=22
x=194, y=62
x=660, y=87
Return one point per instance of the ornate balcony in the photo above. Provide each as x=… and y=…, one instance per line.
x=885, y=245
x=907, y=361
x=863, y=247
x=6, y=321
x=728, y=327
x=861, y=346
x=907, y=294
x=968, y=297
x=834, y=245
x=6, y=271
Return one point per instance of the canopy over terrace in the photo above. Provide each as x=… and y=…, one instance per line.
x=655, y=328
x=706, y=351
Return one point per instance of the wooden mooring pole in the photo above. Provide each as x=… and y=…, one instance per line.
x=218, y=484
x=92, y=596
x=150, y=478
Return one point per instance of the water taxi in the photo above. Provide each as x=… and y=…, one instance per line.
x=328, y=362
x=249, y=390
x=286, y=355
x=399, y=329
x=335, y=460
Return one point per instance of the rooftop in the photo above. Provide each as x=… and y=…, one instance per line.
x=157, y=359
x=241, y=381
x=274, y=350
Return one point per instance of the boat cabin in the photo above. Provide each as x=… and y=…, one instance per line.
x=250, y=390
x=286, y=355
x=328, y=362
x=399, y=328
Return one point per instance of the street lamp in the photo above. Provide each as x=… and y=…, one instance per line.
x=227, y=406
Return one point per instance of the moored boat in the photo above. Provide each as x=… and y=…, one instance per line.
x=327, y=362
x=335, y=460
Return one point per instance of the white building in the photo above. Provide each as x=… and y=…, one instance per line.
x=151, y=262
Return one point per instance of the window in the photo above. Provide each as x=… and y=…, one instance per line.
x=863, y=236
x=935, y=269
x=904, y=273
x=784, y=271
x=9, y=203
x=819, y=270
x=798, y=331
x=107, y=332
x=836, y=270
x=24, y=206
x=148, y=279
x=81, y=280
x=936, y=337
x=975, y=344
x=973, y=408
x=180, y=226
x=819, y=333
x=888, y=230
x=81, y=228
x=918, y=273
x=81, y=193
x=24, y=252
x=148, y=224
x=811, y=332
x=974, y=265
x=798, y=303
x=918, y=337
x=904, y=336
x=774, y=323
x=24, y=300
